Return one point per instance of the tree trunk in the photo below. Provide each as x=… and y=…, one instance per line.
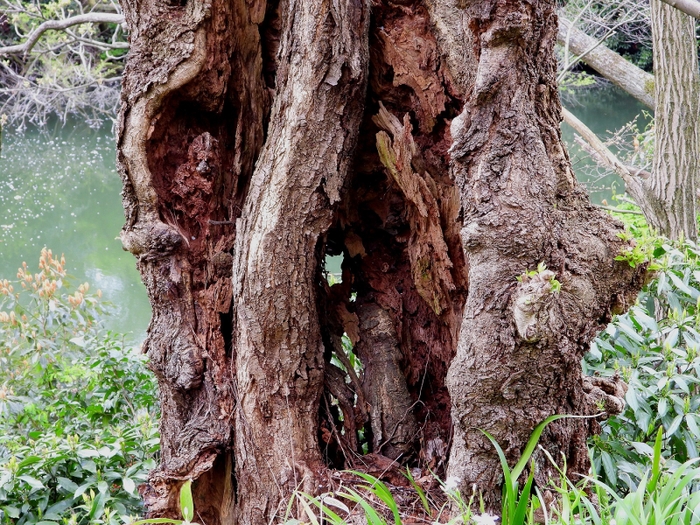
x=255, y=139
x=521, y=342
x=676, y=165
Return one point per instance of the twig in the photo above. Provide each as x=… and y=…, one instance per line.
x=90, y=18
x=618, y=210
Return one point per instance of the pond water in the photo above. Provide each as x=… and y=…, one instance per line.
x=60, y=189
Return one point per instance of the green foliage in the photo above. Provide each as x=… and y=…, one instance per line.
x=664, y=495
x=78, y=409
x=516, y=502
x=654, y=347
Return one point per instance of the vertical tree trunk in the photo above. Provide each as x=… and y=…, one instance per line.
x=255, y=138
x=297, y=181
x=521, y=342
x=676, y=166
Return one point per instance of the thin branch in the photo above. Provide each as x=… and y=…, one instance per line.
x=618, y=210
x=90, y=18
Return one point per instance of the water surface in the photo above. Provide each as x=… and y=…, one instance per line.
x=60, y=189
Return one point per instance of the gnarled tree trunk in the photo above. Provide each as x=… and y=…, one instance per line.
x=255, y=139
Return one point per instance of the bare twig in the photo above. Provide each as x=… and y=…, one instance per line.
x=89, y=18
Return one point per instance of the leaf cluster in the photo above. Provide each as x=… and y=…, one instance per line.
x=655, y=347
x=78, y=406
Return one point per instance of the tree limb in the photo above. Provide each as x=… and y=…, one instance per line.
x=633, y=184
x=612, y=66
x=89, y=18
x=689, y=7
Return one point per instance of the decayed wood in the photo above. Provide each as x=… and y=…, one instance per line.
x=380, y=221
x=279, y=367
x=249, y=151
x=518, y=359
x=188, y=136
x=609, y=64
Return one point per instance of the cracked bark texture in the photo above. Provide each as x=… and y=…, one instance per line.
x=676, y=166
x=419, y=139
x=520, y=346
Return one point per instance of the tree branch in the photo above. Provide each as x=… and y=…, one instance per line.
x=689, y=7
x=612, y=66
x=89, y=18
x=633, y=184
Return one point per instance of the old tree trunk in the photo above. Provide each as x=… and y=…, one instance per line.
x=419, y=140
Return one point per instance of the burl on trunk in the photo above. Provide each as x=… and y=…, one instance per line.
x=418, y=139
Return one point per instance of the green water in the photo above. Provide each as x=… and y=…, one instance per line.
x=604, y=110
x=60, y=189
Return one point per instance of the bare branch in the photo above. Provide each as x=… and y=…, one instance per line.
x=89, y=18
x=612, y=66
x=689, y=7
x=633, y=184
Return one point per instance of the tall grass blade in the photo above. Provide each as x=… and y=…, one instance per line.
x=419, y=491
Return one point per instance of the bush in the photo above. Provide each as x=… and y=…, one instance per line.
x=78, y=407
x=655, y=347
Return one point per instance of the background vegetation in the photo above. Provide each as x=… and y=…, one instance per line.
x=78, y=408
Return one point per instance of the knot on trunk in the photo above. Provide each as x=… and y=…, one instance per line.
x=154, y=240
x=530, y=306
x=606, y=393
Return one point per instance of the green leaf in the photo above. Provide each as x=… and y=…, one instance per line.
x=33, y=482
x=29, y=460
x=129, y=485
x=380, y=490
x=532, y=444
x=372, y=517
x=656, y=461
x=67, y=485
x=419, y=491
x=186, y=502
x=56, y=511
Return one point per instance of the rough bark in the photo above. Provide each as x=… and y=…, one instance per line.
x=319, y=103
x=255, y=139
x=518, y=359
x=606, y=62
x=188, y=137
x=676, y=165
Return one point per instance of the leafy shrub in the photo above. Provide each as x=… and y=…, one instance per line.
x=78, y=407
x=655, y=347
